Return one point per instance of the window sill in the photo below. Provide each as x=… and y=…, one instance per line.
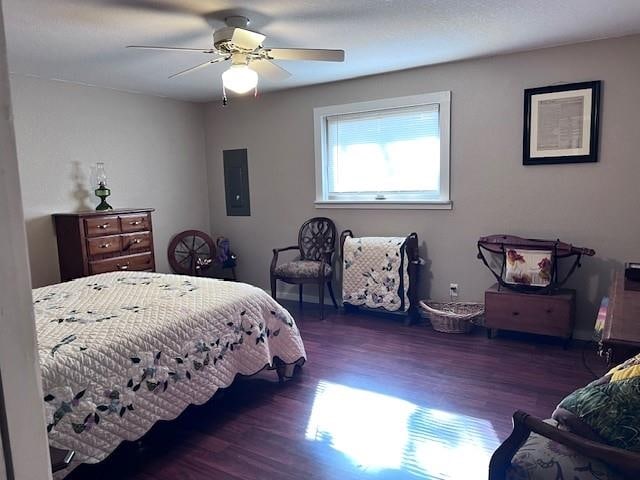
x=385, y=204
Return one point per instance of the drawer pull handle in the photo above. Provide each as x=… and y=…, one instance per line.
x=136, y=241
x=515, y=314
x=549, y=310
x=105, y=245
x=123, y=267
x=103, y=226
x=136, y=222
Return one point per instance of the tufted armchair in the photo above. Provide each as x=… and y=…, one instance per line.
x=316, y=245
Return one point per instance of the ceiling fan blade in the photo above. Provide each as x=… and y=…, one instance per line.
x=247, y=39
x=269, y=70
x=177, y=49
x=181, y=7
x=317, y=54
x=197, y=67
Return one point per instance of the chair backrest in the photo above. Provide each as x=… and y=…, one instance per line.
x=316, y=236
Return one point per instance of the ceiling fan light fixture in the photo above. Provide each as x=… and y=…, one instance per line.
x=245, y=47
x=239, y=79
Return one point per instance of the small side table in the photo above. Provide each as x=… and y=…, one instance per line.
x=545, y=314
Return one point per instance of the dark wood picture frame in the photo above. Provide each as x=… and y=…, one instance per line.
x=592, y=154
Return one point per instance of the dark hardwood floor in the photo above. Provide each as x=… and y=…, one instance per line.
x=376, y=400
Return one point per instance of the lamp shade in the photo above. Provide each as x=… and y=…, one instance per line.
x=239, y=79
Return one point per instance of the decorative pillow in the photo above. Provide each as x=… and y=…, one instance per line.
x=528, y=267
x=607, y=409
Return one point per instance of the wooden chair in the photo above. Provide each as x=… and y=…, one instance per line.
x=316, y=246
x=623, y=462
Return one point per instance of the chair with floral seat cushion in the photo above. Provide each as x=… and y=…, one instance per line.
x=546, y=450
x=541, y=458
x=594, y=434
x=316, y=245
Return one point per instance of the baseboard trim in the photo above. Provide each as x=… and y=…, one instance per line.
x=306, y=298
x=578, y=334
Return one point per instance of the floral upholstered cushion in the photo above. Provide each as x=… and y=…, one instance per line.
x=543, y=459
x=302, y=269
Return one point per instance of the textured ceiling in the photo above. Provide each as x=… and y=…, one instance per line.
x=83, y=40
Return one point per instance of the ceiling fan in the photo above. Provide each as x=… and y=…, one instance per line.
x=249, y=59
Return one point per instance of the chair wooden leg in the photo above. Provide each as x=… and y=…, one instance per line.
x=333, y=298
x=300, y=294
x=273, y=288
x=321, y=299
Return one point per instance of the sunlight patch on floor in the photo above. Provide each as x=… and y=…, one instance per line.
x=379, y=432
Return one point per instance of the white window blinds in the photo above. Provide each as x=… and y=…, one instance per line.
x=386, y=152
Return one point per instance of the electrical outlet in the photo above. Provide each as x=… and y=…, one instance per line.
x=453, y=290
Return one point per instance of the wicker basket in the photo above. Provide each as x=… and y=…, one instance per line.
x=453, y=317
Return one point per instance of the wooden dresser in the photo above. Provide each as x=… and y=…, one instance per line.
x=620, y=335
x=545, y=314
x=97, y=242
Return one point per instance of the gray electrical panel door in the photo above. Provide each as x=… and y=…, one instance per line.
x=236, y=182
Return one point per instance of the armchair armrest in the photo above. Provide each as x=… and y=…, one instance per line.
x=292, y=247
x=624, y=461
x=276, y=251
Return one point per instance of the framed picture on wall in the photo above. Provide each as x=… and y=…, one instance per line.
x=561, y=124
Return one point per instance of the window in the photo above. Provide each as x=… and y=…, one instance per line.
x=391, y=153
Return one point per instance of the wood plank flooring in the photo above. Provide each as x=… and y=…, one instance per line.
x=376, y=400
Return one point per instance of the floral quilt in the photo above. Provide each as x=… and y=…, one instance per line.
x=372, y=271
x=120, y=351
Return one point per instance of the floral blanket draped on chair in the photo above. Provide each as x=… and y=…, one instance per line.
x=375, y=273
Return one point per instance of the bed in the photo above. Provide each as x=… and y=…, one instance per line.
x=121, y=350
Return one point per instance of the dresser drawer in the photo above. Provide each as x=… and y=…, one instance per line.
x=100, y=226
x=542, y=314
x=142, y=261
x=136, y=242
x=101, y=245
x=134, y=223
x=91, y=242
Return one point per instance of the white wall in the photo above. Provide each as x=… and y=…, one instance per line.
x=22, y=423
x=153, y=150
x=592, y=205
